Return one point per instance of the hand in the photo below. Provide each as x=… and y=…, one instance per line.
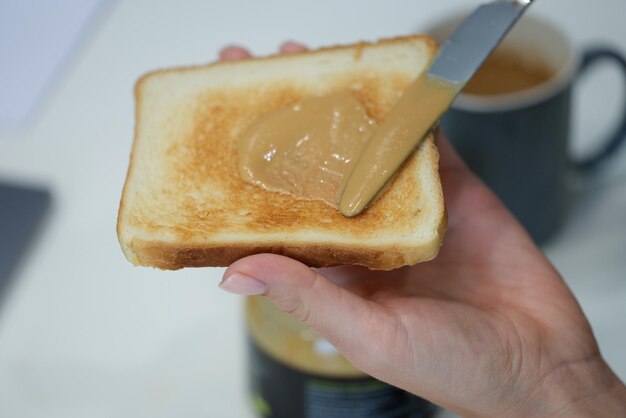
x=488, y=328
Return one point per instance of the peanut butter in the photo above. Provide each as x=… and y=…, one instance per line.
x=310, y=150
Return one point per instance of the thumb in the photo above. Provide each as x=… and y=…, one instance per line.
x=344, y=319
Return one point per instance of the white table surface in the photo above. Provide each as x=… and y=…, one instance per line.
x=85, y=334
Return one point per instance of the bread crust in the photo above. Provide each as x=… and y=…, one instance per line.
x=173, y=257
x=428, y=41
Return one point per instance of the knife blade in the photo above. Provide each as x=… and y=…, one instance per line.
x=414, y=115
x=468, y=47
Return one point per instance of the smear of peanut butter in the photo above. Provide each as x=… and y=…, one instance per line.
x=307, y=149
x=327, y=148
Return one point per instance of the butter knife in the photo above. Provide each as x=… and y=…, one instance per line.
x=457, y=61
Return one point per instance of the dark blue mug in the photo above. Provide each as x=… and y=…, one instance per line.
x=518, y=143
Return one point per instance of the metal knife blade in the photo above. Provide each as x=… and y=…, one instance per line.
x=459, y=58
x=463, y=53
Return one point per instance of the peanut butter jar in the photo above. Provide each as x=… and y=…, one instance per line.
x=294, y=373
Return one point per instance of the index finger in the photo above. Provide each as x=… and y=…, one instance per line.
x=234, y=53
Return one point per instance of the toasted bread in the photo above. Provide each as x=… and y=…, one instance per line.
x=185, y=205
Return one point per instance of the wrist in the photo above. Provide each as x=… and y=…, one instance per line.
x=581, y=389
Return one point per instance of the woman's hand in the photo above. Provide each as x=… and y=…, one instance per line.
x=488, y=328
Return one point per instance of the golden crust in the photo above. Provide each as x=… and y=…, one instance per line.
x=358, y=47
x=173, y=257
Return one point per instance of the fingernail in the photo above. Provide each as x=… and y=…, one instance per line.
x=240, y=284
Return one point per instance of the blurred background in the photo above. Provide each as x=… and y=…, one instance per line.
x=85, y=334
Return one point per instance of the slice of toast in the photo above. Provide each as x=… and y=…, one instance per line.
x=184, y=204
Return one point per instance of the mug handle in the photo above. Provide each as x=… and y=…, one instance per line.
x=589, y=58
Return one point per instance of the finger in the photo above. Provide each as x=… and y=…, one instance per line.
x=340, y=316
x=291, y=47
x=234, y=53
